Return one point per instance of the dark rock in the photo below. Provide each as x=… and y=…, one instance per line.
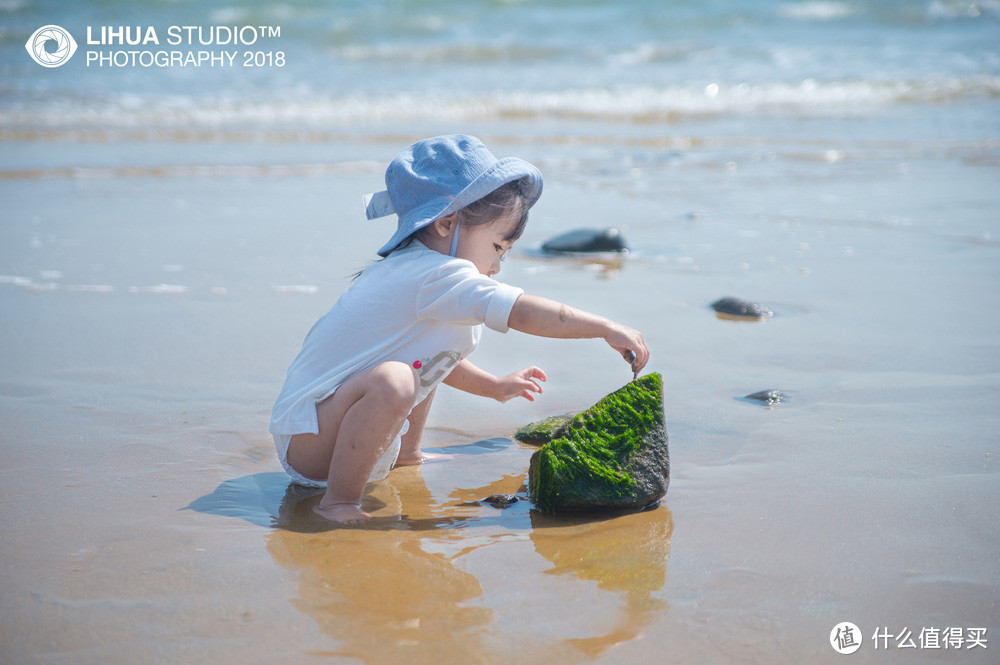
x=543, y=431
x=769, y=397
x=730, y=307
x=582, y=241
x=612, y=456
x=495, y=500
x=501, y=500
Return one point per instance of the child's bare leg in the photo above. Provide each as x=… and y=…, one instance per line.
x=409, y=449
x=356, y=425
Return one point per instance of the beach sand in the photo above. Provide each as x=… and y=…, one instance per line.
x=151, y=309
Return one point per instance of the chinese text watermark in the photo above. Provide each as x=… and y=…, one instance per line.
x=846, y=638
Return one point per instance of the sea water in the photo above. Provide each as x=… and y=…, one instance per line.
x=364, y=64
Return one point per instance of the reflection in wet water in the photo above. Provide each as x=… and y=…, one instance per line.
x=380, y=594
x=432, y=581
x=625, y=556
x=605, y=265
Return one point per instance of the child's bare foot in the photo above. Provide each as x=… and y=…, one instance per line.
x=342, y=513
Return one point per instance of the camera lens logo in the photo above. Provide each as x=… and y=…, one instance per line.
x=51, y=46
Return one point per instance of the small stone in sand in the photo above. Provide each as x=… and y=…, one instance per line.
x=730, y=307
x=585, y=241
x=768, y=397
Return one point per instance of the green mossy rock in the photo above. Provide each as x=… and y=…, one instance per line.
x=542, y=431
x=612, y=456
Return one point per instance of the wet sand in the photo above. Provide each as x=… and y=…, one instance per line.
x=150, y=316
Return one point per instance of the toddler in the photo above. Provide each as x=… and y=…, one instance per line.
x=356, y=398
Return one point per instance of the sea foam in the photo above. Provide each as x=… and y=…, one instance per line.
x=805, y=98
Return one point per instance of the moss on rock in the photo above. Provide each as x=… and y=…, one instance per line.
x=543, y=431
x=613, y=455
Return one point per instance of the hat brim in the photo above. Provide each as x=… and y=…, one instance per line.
x=502, y=172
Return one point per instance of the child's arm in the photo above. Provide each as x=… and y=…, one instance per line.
x=471, y=379
x=547, y=318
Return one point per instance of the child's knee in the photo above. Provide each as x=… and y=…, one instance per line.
x=397, y=384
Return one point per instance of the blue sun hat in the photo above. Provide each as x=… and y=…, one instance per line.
x=438, y=176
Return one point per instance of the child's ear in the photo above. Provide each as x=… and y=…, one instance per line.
x=443, y=226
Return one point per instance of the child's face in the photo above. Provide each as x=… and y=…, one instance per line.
x=486, y=244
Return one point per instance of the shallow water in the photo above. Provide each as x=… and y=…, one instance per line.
x=167, y=238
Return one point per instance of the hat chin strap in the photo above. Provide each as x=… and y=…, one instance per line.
x=454, y=238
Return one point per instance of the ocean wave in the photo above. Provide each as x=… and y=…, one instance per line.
x=160, y=289
x=820, y=10
x=163, y=171
x=466, y=53
x=808, y=98
x=11, y=6
x=963, y=9
x=512, y=51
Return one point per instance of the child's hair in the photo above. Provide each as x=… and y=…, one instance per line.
x=506, y=200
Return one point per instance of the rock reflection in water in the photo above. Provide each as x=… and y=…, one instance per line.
x=626, y=554
x=604, y=265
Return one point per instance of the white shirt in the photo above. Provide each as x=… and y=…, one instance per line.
x=417, y=306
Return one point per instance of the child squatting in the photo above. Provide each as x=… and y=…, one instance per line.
x=357, y=396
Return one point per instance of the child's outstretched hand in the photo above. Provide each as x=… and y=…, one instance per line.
x=623, y=340
x=519, y=384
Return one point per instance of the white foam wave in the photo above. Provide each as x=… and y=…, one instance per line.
x=821, y=10
x=629, y=104
x=651, y=52
x=308, y=289
x=15, y=280
x=32, y=286
x=91, y=288
x=167, y=289
x=41, y=287
x=445, y=52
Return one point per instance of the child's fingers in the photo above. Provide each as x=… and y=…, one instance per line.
x=641, y=356
x=535, y=373
x=634, y=351
x=534, y=387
